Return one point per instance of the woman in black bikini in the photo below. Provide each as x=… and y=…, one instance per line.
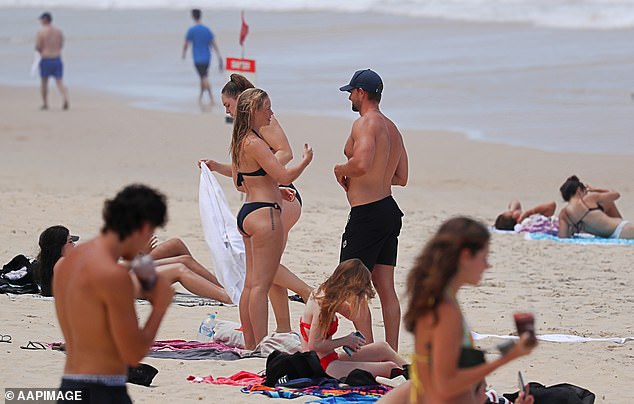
x=274, y=136
x=591, y=210
x=257, y=172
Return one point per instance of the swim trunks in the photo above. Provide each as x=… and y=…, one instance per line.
x=371, y=233
x=96, y=389
x=51, y=67
x=619, y=229
x=202, y=69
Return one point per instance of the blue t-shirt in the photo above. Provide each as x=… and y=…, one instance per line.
x=200, y=38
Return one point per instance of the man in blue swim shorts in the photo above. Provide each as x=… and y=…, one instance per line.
x=202, y=40
x=49, y=43
x=377, y=160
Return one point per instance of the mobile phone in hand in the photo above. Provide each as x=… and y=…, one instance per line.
x=520, y=381
x=349, y=350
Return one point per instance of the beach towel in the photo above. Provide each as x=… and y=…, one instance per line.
x=189, y=300
x=324, y=392
x=242, y=378
x=556, y=338
x=195, y=350
x=221, y=234
x=579, y=239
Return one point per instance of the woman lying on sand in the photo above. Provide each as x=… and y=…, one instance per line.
x=591, y=210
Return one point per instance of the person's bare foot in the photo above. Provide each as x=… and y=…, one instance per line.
x=65, y=106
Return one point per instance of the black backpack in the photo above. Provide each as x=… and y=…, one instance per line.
x=282, y=367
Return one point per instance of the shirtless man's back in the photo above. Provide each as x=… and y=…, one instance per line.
x=49, y=42
x=94, y=297
x=377, y=159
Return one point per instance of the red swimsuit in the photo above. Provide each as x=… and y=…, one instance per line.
x=333, y=356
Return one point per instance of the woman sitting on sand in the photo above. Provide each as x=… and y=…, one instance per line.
x=54, y=242
x=441, y=371
x=591, y=210
x=256, y=171
x=276, y=139
x=346, y=292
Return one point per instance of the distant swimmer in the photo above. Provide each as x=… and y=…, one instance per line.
x=376, y=160
x=48, y=43
x=202, y=40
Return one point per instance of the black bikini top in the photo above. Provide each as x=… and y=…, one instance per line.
x=257, y=173
x=579, y=225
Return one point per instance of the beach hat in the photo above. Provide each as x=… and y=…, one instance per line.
x=366, y=79
x=46, y=15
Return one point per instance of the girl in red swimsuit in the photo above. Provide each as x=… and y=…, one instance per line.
x=346, y=292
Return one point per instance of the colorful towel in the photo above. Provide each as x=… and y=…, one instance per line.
x=578, y=239
x=241, y=378
x=324, y=392
x=346, y=398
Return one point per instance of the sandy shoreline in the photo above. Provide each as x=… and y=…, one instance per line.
x=58, y=167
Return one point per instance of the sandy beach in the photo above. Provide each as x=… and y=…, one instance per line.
x=58, y=167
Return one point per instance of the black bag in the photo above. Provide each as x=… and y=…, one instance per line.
x=563, y=393
x=282, y=367
x=470, y=357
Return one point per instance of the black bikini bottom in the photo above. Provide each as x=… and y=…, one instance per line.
x=250, y=207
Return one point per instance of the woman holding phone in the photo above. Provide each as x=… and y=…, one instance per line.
x=446, y=368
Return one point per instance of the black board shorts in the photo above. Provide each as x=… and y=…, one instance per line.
x=94, y=392
x=371, y=233
x=202, y=69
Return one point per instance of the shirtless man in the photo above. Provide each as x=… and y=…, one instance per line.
x=94, y=298
x=376, y=160
x=49, y=43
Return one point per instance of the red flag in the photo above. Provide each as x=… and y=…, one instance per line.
x=244, y=31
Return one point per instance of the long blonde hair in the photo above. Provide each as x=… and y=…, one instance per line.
x=351, y=282
x=248, y=103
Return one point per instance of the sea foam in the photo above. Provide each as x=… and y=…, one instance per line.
x=578, y=14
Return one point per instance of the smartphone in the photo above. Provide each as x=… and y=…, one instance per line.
x=520, y=381
x=347, y=349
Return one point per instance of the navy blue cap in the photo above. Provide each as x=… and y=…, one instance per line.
x=366, y=79
x=46, y=16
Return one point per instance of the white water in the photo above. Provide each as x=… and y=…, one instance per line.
x=584, y=14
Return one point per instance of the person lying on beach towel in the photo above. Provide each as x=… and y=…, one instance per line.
x=514, y=215
x=591, y=210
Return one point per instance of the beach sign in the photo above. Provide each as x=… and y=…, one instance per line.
x=245, y=67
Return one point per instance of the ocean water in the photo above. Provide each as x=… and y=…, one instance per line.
x=553, y=75
x=590, y=14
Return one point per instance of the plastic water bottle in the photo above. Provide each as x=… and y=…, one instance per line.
x=206, y=329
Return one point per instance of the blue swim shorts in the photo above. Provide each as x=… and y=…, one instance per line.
x=51, y=67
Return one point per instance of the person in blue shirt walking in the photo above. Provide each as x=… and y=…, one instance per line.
x=202, y=40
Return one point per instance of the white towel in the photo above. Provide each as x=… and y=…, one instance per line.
x=221, y=235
